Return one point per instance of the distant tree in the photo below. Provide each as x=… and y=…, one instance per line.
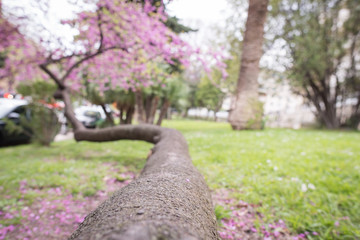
x=171, y=93
x=323, y=43
x=124, y=101
x=209, y=95
x=246, y=113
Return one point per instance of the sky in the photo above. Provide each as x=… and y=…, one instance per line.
x=203, y=15
x=199, y=14
x=203, y=11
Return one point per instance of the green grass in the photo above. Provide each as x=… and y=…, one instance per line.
x=267, y=168
x=77, y=167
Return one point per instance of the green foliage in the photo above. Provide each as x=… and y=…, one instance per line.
x=171, y=22
x=268, y=168
x=120, y=96
x=176, y=91
x=92, y=94
x=38, y=90
x=322, y=40
x=43, y=122
x=13, y=129
x=175, y=26
x=2, y=59
x=66, y=164
x=209, y=95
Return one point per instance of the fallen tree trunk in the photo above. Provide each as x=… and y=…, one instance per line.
x=169, y=200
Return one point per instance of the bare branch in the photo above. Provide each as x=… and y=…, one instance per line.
x=58, y=82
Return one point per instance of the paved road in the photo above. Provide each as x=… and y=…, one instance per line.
x=62, y=137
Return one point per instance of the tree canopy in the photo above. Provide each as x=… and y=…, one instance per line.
x=322, y=40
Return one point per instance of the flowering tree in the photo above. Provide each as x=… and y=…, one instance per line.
x=113, y=46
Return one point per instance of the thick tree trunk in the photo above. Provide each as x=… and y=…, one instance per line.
x=246, y=113
x=169, y=200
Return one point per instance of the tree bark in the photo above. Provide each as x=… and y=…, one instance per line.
x=148, y=106
x=121, y=115
x=169, y=200
x=139, y=106
x=154, y=104
x=163, y=111
x=245, y=115
x=109, y=117
x=69, y=112
x=129, y=115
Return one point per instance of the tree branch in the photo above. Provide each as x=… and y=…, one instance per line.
x=99, y=22
x=90, y=56
x=58, y=82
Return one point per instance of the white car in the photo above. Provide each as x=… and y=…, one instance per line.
x=88, y=116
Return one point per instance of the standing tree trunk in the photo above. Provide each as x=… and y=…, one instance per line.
x=139, y=101
x=109, y=117
x=129, y=114
x=154, y=104
x=247, y=112
x=148, y=106
x=121, y=114
x=163, y=110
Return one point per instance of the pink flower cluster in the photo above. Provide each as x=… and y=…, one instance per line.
x=56, y=214
x=116, y=47
x=241, y=224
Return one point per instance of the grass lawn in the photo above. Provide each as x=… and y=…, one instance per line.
x=308, y=178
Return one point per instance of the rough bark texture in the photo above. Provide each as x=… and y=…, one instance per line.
x=246, y=113
x=169, y=200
